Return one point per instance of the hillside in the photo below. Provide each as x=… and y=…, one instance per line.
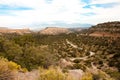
x=17, y=31
x=82, y=57
x=54, y=31
x=107, y=29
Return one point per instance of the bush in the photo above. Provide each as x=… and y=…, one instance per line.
x=115, y=75
x=7, y=72
x=87, y=76
x=13, y=65
x=53, y=74
x=76, y=61
x=100, y=75
x=79, y=66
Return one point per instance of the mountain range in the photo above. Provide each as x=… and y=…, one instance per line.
x=102, y=29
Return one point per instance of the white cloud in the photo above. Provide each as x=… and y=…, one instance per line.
x=68, y=11
x=104, y=1
x=103, y=15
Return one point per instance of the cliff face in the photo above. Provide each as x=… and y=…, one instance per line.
x=54, y=31
x=115, y=24
x=108, y=29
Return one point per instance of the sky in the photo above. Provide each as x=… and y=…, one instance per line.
x=35, y=14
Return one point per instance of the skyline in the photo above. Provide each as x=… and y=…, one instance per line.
x=35, y=14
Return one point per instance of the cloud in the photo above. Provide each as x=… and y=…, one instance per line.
x=86, y=1
x=105, y=5
x=19, y=13
x=7, y=7
x=104, y=1
x=89, y=14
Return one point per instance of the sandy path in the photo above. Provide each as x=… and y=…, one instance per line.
x=33, y=75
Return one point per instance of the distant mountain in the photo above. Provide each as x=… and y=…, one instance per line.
x=17, y=31
x=75, y=29
x=55, y=31
x=3, y=28
x=78, y=29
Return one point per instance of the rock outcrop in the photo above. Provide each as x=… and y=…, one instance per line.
x=108, y=29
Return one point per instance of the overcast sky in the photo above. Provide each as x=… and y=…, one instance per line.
x=36, y=13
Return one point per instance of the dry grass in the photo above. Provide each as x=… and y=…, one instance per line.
x=5, y=72
x=53, y=74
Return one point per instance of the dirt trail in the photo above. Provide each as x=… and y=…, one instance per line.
x=76, y=74
x=33, y=75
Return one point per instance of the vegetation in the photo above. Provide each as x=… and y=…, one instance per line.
x=112, y=27
x=8, y=69
x=78, y=51
x=53, y=74
x=87, y=76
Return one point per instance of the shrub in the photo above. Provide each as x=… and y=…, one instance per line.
x=13, y=65
x=100, y=75
x=87, y=76
x=6, y=73
x=116, y=75
x=76, y=61
x=53, y=74
x=79, y=66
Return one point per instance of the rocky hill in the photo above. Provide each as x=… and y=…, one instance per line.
x=17, y=31
x=107, y=29
x=54, y=31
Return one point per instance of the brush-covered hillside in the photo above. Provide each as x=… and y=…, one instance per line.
x=73, y=56
x=108, y=29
